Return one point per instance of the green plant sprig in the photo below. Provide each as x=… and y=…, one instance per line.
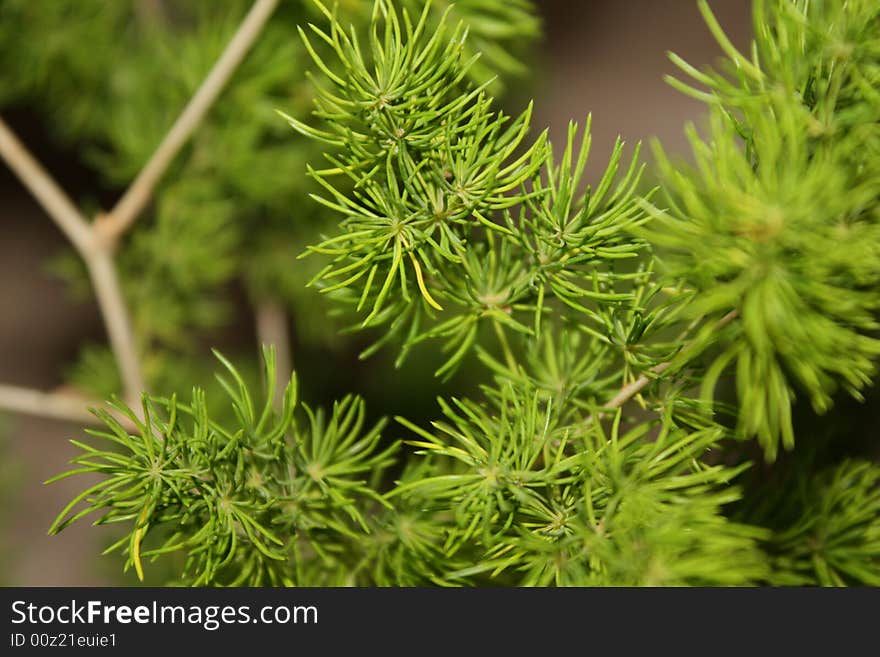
x=237, y=500
x=451, y=220
x=781, y=210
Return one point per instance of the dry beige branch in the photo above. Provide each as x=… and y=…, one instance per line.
x=117, y=319
x=95, y=242
x=135, y=199
x=55, y=405
x=53, y=199
x=98, y=260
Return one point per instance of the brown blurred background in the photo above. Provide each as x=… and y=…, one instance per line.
x=607, y=57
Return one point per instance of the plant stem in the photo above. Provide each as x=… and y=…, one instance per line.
x=53, y=199
x=630, y=390
x=272, y=330
x=136, y=197
x=118, y=322
x=505, y=345
x=58, y=406
x=91, y=248
x=95, y=242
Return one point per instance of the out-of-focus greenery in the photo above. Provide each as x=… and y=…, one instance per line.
x=782, y=210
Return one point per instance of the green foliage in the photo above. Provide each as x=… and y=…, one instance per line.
x=294, y=496
x=236, y=499
x=450, y=217
x=52, y=64
x=785, y=230
x=176, y=270
x=602, y=447
x=95, y=372
x=541, y=503
x=223, y=219
x=832, y=534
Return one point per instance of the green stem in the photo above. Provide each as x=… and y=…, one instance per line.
x=505, y=345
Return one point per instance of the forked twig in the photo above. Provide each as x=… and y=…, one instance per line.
x=97, y=258
x=95, y=241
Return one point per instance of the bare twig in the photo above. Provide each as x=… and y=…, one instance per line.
x=58, y=406
x=81, y=233
x=138, y=194
x=118, y=322
x=53, y=199
x=272, y=330
x=630, y=390
x=95, y=242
